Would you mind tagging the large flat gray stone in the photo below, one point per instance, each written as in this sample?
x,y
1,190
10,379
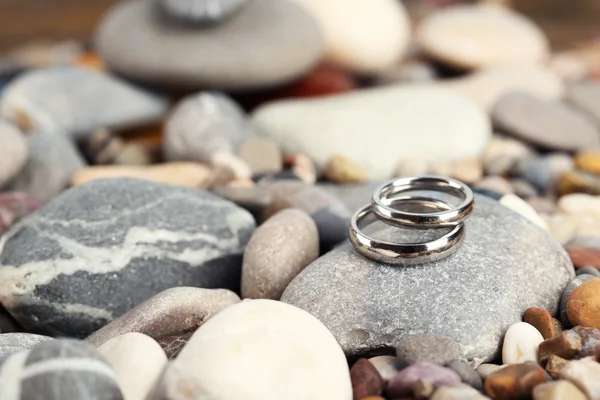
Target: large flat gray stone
x,y
505,265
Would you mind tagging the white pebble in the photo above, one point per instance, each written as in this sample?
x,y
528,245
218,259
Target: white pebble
x,y
521,343
520,206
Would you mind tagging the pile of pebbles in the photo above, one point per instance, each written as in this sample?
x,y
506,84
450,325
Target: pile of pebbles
x,y
175,199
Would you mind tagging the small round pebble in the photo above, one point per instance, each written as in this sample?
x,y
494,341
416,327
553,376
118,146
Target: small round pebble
x,y
387,366
468,171
584,256
432,348
457,391
262,155
523,188
577,181
587,270
277,252
588,161
366,380
514,381
402,384
484,370
496,183
542,320
342,169
583,304
467,373
566,294
521,342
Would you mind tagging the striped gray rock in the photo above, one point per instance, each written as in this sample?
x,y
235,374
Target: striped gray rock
x,y
18,341
104,247
77,101
58,370
202,11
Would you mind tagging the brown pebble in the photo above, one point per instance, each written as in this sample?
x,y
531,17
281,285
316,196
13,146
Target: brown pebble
x,y
514,381
302,166
422,389
588,161
542,320
366,380
566,345
341,169
583,305
578,182
555,365
584,256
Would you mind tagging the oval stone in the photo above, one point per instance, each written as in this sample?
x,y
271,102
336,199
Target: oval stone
x,y
104,247
497,268
583,304
13,152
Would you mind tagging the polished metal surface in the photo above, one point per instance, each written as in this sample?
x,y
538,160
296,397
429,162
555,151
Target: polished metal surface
x,y
384,196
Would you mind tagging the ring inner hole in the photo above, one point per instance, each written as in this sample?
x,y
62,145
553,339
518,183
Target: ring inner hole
x,y
394,197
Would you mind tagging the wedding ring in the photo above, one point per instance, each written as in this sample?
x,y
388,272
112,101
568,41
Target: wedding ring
x,y
401,253
384,196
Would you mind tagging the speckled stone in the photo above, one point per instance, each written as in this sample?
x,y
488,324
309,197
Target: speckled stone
x,y
202,12
202,125
52,160
467,374
19,341
169,317
437,349
478,278
136,42
278,250
402,384
568,289
76,101
543,123
106,246
60,369
13,152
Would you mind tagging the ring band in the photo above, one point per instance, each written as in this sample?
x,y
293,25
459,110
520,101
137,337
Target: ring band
x,y
402,253
384,195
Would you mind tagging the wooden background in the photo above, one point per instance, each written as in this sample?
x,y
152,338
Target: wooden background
x,y
566,21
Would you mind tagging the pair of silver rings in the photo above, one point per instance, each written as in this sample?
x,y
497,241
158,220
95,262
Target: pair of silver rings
x,y
386,204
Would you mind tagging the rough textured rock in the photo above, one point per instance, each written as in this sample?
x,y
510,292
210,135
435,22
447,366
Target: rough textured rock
x,y
278,250
60,369
138,362
287,345
52,160
475,36
170,317
203,125
132,40
18,341
455,128
76,101
104,247
13,152
498,267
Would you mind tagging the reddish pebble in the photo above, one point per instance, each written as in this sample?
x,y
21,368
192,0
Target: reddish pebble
x,y
542,320
322,81
514,381
366,380
584,256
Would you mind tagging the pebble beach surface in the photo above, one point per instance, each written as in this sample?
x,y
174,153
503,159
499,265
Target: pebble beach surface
x,y
175,200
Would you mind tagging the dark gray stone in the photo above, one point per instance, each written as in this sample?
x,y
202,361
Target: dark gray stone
x,y
544,122
467,374
202,125
587,271
52,161
136,40
538,172
572,285
18,341
106,246
506,264
76,101
202,12
437,349
58,370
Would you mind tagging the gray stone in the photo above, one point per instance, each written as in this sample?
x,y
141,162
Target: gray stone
x,y
523,188
19,341
544,122
278,250
203,125
13,151
587,271
485,370
437,349
53,159
370,306
136,41
585,241
57,370
586,97
467,374
103,247
568,289
354,196
538,173
202,11
77,101
170,317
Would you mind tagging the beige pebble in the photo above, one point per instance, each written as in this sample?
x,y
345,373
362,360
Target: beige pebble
x,y
559,390
341,169
520,206
262,155
579,203
495,183
468,171
188,174
303,167
412,167
585,374
238,166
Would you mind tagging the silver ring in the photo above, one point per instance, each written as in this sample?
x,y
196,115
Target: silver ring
x,y
384,196
402,253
